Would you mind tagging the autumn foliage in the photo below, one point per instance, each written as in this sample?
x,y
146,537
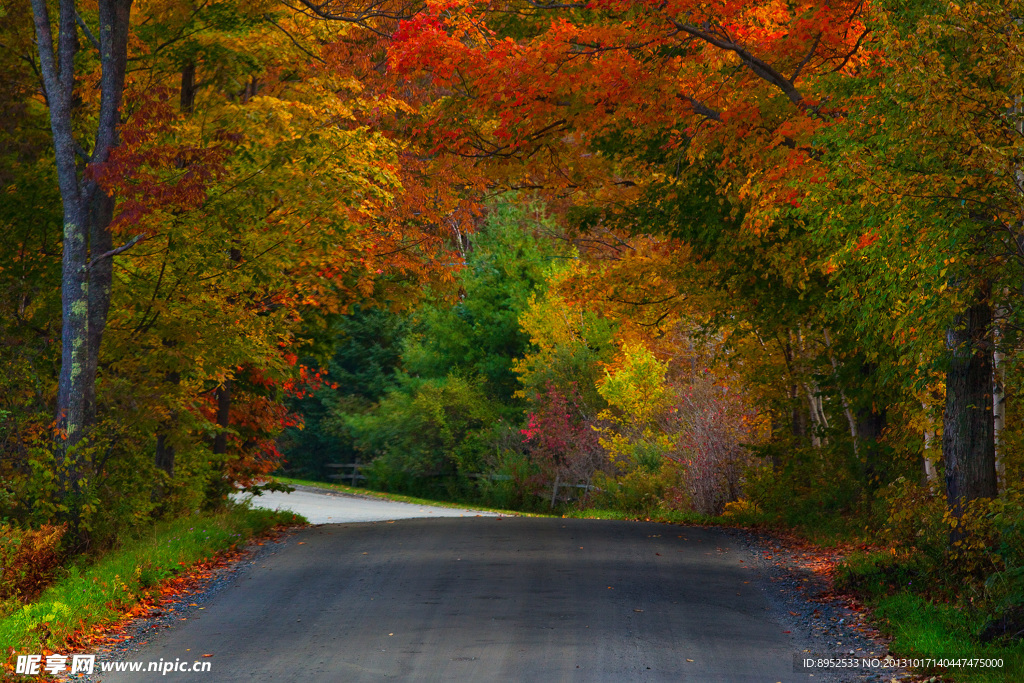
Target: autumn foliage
x,y
742,258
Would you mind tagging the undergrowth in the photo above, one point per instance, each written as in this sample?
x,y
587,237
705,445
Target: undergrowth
x,y
91,595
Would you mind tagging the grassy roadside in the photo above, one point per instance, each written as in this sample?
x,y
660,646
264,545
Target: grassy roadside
x,y
91,596
928,627
397,497
660,516
921,628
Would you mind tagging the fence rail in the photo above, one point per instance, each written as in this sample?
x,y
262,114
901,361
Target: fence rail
x,y
352,476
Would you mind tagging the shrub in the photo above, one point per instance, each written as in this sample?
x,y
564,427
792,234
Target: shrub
x,y
640,491
29,560
883,573
561,440
426,429
914,518
710,424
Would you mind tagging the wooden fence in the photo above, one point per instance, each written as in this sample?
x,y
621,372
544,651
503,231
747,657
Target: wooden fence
x,y
353,475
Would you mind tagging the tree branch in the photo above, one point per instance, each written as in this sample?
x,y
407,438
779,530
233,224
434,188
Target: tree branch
x,y
806,59
119,250
854,51
85,29
755,64
701,109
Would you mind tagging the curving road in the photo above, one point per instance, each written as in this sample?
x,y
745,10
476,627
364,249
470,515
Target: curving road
x,y
322,506
487,599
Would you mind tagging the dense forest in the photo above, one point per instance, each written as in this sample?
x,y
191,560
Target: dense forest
x,y
758,263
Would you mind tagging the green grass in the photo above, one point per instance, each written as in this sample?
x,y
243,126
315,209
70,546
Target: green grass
x,y
662,516
97,594
920,628
927,614
342,488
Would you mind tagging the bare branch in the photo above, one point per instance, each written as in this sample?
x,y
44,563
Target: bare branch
x,y
292,38
755,64
362,14
120,250
856,48
806,59
85,29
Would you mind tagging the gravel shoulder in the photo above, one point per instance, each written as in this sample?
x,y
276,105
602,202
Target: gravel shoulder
x,y
826,624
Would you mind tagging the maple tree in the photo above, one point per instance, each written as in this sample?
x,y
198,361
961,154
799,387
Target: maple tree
x,y
645,114
244,187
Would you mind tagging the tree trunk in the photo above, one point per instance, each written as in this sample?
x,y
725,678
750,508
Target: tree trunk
x,y
798,418
851,422
188,88
101,275
85,283
870,422
998,411
928,473
968,446
220,442
57,70
777,429
870,425
164,459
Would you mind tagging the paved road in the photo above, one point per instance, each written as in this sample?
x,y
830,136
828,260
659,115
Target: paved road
x,y
488,599
320,506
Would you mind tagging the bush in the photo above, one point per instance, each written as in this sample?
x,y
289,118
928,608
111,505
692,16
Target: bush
x,y
511,493
29,560
562,441
883,573
914,518
96,593
710,424
820,499
437,427
641,491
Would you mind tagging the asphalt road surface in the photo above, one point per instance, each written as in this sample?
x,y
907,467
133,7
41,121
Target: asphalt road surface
x,y
487,599
321,506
